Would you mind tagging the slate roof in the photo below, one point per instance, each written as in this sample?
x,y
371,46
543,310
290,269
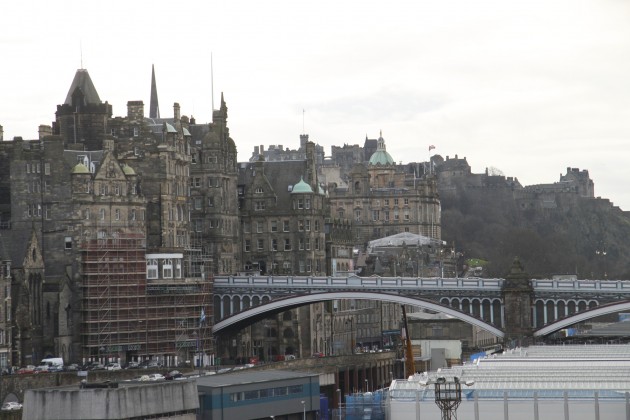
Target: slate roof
x,y
83,82
280,175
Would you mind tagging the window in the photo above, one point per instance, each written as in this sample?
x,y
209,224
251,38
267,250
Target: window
x,y
259,190
386,202
132,215
101,214
395,201
375,215
152,269
117,214
316,244
406,201
300,203
178,269
46,168
357,215
307,225
117,189
68,242
396,215
274,225
316,225
246,227
210,201
301,244
308,266
248,245
285,225
260,245
259,227
300,225
406,214
302,266
274,244
198,225
308,244
197,203
167,269
287,244
307,203
386,215
259,205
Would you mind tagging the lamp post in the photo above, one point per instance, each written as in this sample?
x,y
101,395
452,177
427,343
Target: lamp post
x,y
339,402
603,253
304,410
448,395
367,387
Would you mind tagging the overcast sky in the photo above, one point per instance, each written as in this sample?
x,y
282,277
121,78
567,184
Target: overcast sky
x,y
528,87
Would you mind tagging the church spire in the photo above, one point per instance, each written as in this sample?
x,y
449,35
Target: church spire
x,y
154,107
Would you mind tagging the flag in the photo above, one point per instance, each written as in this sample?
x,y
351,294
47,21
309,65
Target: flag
x,y
431,147
202,318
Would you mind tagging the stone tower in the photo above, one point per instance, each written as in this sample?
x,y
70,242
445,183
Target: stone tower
x,y
517,299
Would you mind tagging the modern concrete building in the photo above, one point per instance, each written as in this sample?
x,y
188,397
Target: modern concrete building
x,y
265,394
123,400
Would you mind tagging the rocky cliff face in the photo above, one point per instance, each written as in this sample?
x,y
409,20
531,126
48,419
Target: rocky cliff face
x,y
557,232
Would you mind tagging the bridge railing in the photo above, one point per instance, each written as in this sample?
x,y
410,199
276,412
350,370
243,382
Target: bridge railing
x,y
355,282
615,286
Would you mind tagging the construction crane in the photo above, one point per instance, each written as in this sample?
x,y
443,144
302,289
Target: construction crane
x,y
410,367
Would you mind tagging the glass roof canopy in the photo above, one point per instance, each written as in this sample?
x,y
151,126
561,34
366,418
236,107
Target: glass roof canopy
x,y
549,372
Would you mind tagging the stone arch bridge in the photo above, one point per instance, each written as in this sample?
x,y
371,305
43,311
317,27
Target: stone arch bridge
x,y
553,304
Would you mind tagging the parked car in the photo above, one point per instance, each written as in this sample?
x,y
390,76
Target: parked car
x,y
10,406
26,370
113,366
174,374
289,357
156,377
133,365
41,369
97,366
71,368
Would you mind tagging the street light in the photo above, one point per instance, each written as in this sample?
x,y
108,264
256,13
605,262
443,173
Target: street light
x,y
367,388
304,410
603,254
448,395
339,402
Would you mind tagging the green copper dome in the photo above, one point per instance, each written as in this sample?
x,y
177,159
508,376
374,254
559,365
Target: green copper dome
x,y
302,187
80,168
381,157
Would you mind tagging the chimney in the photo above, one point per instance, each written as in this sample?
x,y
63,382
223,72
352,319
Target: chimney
x,y
135,110
44,130
176,112
303,140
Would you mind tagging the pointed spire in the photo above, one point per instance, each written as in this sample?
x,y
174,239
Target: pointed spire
x,y
154,106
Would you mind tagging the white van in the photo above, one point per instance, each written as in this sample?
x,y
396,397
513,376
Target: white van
x,y
52,364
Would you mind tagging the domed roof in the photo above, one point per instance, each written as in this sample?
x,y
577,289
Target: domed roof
x,y
128,170
381,157
80,168
301,187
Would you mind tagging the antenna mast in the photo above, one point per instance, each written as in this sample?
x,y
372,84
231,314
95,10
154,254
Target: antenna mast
x,y
212,85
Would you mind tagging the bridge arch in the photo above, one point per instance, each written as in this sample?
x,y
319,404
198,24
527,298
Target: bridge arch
x,y
583,316
294,301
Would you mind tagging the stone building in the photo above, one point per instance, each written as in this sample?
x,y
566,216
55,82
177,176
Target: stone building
x,y
108,200
383,199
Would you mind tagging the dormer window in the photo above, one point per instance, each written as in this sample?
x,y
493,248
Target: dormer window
x,y
259,190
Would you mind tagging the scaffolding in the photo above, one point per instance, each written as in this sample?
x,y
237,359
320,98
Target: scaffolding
x,y
128,317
